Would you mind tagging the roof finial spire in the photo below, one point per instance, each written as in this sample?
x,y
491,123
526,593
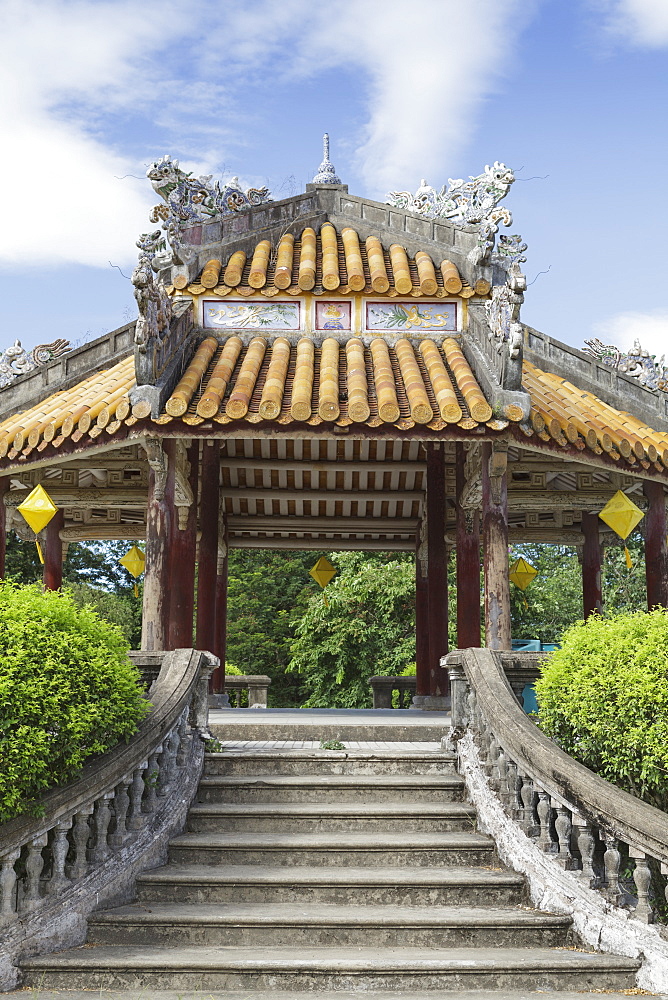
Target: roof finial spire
x,y
326,173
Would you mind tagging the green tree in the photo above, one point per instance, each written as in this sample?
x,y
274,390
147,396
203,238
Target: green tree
x,y
362,624
267,591
553,600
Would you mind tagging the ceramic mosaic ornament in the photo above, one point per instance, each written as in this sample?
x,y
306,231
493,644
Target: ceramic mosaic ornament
x,y
252,315
332,315
407,316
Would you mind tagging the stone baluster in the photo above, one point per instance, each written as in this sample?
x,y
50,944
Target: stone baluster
x,y
151,780
172,760
8,886
457,694
200,704
80,836
34,866
664,872
514,789
502,787
136,818
162,786
611,865
121,806
586,847
642,878
491,762
182,755
563,828
544,810
101,819
60,846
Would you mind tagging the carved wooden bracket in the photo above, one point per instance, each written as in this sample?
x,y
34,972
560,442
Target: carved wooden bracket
x,y
498,465
471,498
157,461
183,494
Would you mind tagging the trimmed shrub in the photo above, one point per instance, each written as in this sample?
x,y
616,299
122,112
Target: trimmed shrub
x,y
67,691
603,697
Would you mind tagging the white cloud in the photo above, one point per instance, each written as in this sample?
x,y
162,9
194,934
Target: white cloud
x,y
650,329
74,73
642,22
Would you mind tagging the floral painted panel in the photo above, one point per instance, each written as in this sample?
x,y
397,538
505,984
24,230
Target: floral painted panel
x,y
407,316
252,315
332,315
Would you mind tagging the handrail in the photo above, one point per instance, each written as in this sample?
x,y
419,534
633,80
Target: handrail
x,y
547,791
97,832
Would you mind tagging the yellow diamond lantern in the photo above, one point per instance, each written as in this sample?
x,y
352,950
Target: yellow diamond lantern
x,y
621,514
134,561
37,509
322,572
522,573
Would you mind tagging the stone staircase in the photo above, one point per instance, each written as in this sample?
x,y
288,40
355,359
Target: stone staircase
x,y
328,871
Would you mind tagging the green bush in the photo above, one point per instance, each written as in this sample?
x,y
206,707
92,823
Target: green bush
x,y
604,698
67,691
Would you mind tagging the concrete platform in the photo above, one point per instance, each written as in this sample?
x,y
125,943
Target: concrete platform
x,y
338,995
315,724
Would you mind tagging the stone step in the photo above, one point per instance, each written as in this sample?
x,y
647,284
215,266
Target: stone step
x,y
331,817
308,762
307,969
289,925
331,788
393,725
392,886
333,849
526,994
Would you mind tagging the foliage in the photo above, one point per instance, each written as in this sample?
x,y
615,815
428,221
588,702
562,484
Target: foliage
x,y
604,698
267,591
67,691
362,624
553,600
332,745
123,612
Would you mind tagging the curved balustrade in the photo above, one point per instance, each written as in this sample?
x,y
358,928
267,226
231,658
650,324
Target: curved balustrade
x,y
587,825
97,833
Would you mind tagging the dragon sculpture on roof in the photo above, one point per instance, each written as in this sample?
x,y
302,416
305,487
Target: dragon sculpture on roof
x,y
637,363
15,360
190,201
471,202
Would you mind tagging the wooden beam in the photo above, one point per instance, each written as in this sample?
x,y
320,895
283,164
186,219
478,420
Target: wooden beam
x,y
320,465
220,635
437,570
53,553
208,546
78,499
308,523
324,544
468,563
495,540
592,591
422,662
656,551
159,514
183,548
314,496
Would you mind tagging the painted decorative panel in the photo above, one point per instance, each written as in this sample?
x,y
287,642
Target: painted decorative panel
x,y
407,316
252,315
332,315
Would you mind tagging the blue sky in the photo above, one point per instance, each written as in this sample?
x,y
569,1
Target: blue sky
x,y
570,93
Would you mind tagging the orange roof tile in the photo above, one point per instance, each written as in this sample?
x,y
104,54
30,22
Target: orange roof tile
x,y
331,261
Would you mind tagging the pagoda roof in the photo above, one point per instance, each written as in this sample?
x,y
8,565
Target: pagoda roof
x,y
327,260
411,386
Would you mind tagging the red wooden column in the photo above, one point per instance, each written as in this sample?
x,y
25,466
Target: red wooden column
x,y
208,546
468,563
53,552
437,569
159,514
220,637
495,539
422,666
183,553
592,562
656,553
4,486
